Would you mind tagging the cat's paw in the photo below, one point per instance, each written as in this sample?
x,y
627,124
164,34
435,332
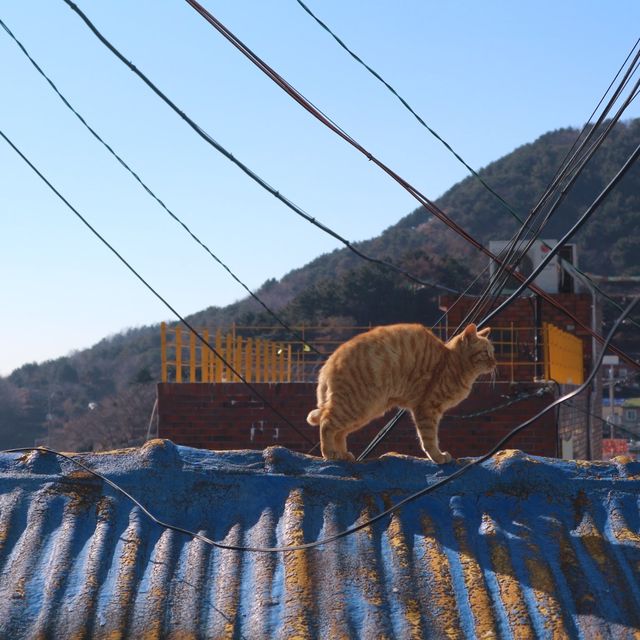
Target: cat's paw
x,y
440,458
339,455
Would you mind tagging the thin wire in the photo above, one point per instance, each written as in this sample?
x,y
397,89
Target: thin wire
x,y
254,176
154,292
383,514
376,75
151,193
500,278
482,181
404,102
617,427
579,223
306,104
572,172
519,398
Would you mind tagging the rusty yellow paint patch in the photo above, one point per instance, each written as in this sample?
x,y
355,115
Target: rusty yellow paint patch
x,y
502,457
440,586
402,555
544,591
543,586
298,599
508,584
479,599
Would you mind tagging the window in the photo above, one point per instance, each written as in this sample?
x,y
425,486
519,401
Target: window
x,y
631,415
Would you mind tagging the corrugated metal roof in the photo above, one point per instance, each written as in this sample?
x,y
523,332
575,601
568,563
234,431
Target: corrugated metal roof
x,y
522,547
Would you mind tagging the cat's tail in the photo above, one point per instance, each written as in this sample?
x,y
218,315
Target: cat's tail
x,y
314,417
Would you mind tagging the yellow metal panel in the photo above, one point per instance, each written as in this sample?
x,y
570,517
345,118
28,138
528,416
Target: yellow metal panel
x,y
564,361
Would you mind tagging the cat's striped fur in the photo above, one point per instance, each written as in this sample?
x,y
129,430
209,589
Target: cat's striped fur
x,y
401,365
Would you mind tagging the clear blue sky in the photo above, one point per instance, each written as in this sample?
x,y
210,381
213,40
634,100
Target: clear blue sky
x,y
488,76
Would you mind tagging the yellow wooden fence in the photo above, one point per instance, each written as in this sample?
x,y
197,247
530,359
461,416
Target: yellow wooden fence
x,y
523,353
185,358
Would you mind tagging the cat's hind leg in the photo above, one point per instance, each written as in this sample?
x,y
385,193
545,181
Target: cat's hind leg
x,y
333,439
426,420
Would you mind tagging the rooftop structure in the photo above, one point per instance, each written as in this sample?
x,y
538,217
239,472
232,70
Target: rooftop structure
x,y
520,547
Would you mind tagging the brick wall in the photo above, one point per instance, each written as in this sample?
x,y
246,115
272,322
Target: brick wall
x,y
575,425
227,416
521,313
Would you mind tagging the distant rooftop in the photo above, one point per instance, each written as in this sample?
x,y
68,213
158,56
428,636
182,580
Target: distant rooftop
x,y
520,547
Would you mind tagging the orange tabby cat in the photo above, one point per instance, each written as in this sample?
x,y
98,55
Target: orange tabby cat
x,y
401,365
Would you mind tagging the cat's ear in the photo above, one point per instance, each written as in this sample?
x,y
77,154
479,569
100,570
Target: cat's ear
x,y
484,332
469,331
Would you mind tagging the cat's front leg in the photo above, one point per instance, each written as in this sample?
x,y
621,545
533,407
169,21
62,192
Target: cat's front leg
x,y
427,420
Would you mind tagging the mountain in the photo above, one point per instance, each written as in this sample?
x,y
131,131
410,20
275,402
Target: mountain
x,y
77,400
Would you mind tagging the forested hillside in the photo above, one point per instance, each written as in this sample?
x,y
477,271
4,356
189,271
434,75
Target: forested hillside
x,y
103,396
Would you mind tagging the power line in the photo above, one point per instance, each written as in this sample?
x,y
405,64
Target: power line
x,y
150,192
411,110
367,523
476,175
153,291
579,223
571,167
254,176
376,75
421,198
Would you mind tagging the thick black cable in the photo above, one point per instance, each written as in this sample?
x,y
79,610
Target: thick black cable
x,y
382,434
579,223
500,278
404,102
206,343
386,429
430,206
582,220
152,194
383,514
570,167
243,167
376,75
499,281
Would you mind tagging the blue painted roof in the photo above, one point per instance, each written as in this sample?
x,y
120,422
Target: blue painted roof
x,y
521,547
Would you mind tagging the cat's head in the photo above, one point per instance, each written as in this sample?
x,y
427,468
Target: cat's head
x,y
476,349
